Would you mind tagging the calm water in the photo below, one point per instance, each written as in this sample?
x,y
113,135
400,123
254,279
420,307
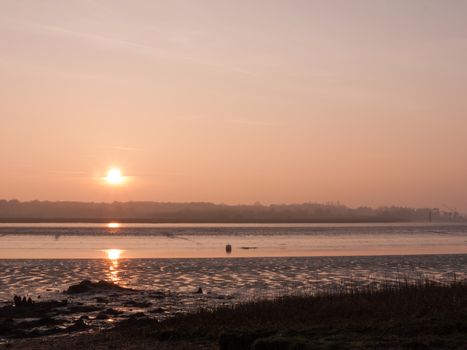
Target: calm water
x,y
68,241
44,259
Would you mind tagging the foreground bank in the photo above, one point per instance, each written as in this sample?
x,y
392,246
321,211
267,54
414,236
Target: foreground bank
x,y
397,316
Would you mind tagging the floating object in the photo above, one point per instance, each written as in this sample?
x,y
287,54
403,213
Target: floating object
x,y
228,249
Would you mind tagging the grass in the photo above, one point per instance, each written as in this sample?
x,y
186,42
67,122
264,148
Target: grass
x,y
435,307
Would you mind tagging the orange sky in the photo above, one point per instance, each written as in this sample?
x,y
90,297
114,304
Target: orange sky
x,y
235,101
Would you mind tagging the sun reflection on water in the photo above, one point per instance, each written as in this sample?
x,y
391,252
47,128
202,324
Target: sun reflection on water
x,y
113,225
113,255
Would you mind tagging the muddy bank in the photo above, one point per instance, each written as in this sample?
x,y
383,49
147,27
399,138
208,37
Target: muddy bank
x,y
95,306
426,315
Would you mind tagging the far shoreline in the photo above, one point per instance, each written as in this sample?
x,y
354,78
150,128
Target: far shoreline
x,y
107,220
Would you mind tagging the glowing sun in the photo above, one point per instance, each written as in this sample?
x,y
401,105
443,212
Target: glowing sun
x,y
114,176
113,254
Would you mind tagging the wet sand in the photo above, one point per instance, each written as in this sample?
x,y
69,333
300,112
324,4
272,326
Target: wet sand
x,y
240,278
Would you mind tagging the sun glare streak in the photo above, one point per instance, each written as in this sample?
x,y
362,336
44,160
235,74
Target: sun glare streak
x,y
113,225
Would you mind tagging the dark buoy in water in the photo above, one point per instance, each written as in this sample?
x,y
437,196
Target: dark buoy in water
x,y
228,249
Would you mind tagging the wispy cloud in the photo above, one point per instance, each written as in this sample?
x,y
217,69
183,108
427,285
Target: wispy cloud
x,y
169,46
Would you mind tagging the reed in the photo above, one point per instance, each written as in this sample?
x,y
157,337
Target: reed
x,y
403,311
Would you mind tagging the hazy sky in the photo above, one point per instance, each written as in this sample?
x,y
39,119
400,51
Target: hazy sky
x,y
235,101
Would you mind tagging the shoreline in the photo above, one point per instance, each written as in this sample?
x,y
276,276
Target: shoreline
x,y
124,220
247,257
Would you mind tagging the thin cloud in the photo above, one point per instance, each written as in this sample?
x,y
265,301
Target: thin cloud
x,y
127,45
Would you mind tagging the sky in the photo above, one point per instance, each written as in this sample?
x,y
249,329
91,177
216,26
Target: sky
x,y
362,102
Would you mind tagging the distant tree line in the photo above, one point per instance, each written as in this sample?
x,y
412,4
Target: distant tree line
x,y
37,211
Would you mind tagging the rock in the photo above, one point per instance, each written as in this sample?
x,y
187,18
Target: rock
x,y
19,301
102,300
87,286
159,310
79,325
54,330
82,287
38,309
45,321
7,326
113,312
74,309
199,291
102,316
134,303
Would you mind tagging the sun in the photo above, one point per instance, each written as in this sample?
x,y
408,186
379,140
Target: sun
x,y
114,176
113,254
